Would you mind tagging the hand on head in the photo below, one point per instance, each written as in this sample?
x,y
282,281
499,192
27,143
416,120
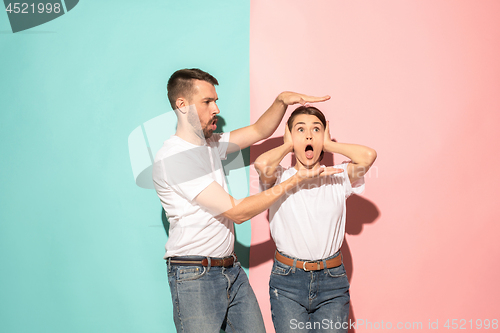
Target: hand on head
x,y
327,137
287,138
290,98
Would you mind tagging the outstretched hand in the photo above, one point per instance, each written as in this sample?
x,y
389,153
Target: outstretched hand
x,y
331,171
304,174
290,98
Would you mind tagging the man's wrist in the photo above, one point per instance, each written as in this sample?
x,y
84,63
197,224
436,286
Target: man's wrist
x,y
280,100
296,179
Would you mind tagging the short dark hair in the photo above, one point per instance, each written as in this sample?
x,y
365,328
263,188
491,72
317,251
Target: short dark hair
x,y
180,83
311,110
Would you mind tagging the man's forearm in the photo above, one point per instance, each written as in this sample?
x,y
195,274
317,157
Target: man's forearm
x,y
248,207
269,121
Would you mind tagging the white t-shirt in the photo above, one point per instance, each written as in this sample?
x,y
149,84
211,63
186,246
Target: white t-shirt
x,y
309,221
181,171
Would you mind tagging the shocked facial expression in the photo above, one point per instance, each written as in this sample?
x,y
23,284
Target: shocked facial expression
x,y
308,135
205,98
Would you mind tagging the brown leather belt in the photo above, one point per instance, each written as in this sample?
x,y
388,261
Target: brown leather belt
x,y
310,265
222,262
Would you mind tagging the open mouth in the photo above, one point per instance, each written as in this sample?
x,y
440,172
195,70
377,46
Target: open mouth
x,y
214,123
309,152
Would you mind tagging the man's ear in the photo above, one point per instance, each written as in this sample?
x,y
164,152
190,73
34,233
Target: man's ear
x,y
181,104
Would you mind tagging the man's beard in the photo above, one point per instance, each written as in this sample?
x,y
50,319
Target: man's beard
x,y
194,120
208,131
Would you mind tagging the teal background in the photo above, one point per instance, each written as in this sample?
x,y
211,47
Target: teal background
x,y
81,244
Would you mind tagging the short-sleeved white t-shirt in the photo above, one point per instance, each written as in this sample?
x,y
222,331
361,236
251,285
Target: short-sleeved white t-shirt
x,y
181,172
309,221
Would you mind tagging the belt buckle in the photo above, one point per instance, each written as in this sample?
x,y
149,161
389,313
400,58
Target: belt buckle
x,y
312,262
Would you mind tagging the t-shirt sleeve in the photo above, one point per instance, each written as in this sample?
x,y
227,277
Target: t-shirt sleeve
x,y
279,172
221,142
188,172
357,188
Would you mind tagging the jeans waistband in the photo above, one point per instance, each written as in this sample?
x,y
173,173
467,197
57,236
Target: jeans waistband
x,y
202,261
310,265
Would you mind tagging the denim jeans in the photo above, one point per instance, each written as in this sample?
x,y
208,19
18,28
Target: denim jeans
x,y
207,299
309,301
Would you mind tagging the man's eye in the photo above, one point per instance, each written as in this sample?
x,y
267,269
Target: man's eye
x,y
316,129
300,130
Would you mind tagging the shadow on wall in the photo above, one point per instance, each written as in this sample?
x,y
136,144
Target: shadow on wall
x,y
359,212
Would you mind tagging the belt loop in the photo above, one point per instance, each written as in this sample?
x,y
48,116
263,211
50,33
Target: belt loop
x,y
294,264
168,265
235,259
324,263
209,264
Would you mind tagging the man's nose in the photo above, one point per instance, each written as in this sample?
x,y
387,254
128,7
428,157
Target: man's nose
x,y
216,109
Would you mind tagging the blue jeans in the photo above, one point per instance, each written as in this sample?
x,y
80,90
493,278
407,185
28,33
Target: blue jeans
x,y
208,299
309,301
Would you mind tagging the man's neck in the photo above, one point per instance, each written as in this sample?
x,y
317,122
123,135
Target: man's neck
x,y
191,137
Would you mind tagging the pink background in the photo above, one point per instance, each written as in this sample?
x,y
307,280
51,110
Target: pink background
x,y
419,81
